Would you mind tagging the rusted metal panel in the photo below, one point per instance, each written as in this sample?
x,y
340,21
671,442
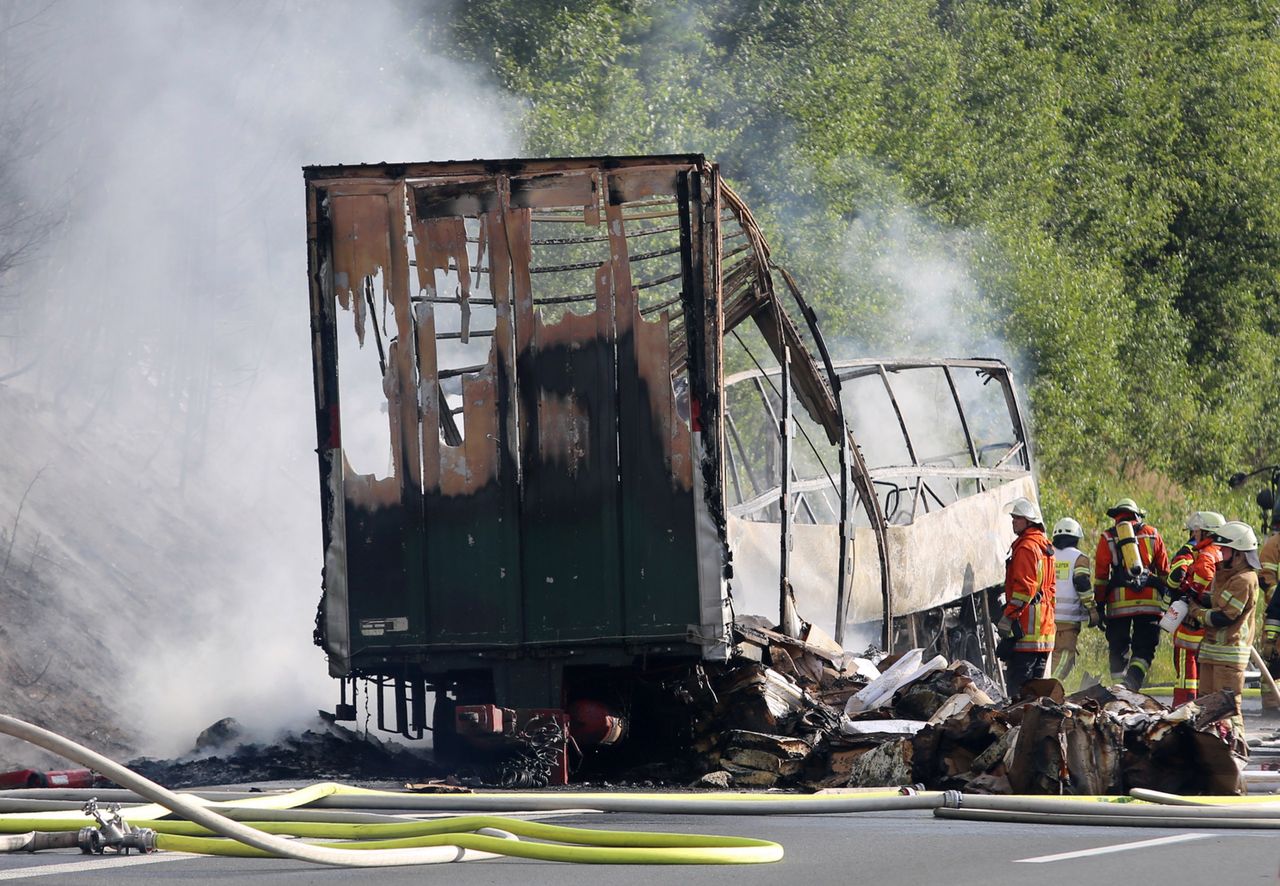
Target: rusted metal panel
x,y
570,539
382,516
505,517
470,499
657,511
635,185
557,190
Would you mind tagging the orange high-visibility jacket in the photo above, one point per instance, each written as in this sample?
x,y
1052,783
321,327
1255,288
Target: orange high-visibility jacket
x,y
1029,590
1195,584
1112,585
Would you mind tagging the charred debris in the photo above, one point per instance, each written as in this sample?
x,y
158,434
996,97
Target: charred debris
x,y
805,716
811,717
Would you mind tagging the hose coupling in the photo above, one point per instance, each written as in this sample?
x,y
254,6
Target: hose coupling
x,y
113,832
952,799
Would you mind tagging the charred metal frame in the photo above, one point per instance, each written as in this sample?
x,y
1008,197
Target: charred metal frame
x,y
587,446
592,436
997,371
1015,462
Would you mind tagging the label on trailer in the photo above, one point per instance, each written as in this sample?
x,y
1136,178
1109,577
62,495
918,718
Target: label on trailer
x,y
376,627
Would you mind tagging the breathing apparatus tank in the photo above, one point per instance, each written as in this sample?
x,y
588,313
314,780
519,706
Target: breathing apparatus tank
x,y
1127,545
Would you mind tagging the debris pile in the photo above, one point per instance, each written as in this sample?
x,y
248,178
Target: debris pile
x,y
327,752
817,718
806,715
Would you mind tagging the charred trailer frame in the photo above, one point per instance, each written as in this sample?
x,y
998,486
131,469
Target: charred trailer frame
x,y
525,480
944,445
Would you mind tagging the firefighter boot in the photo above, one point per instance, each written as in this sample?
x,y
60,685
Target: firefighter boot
x,y
1136,675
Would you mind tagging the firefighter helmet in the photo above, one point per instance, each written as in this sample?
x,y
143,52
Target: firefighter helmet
x,y
1237,536
1125,505
1025,508
1067,526
1207,521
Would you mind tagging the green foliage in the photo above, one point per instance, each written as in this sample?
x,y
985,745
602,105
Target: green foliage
x,y
1102,177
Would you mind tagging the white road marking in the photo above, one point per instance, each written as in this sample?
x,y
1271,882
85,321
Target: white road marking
x,y
95,864
1119,847
530,814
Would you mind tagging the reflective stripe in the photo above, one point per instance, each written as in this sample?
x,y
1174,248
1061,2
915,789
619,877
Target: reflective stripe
x,y
1212,652
1232,606
1186,672
1122,605
1187,637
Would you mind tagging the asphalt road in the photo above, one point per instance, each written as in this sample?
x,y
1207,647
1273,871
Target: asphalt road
x,y
882,848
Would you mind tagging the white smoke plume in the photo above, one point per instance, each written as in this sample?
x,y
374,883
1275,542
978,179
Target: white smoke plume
x,y
168,408
922,271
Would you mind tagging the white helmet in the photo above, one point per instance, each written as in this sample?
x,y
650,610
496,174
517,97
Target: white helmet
x,y
1026,508
1237,536
1206,521
1067,526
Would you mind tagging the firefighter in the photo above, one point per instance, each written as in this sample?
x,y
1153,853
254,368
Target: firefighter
x,y
1191,572
1073,604
1026,627
1227,614
1128,568
1269,576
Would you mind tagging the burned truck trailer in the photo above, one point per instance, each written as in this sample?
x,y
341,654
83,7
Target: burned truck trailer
x,y
575,428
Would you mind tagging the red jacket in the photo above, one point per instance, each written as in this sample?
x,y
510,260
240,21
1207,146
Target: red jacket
x,y
1112,587
1195,584
1029,590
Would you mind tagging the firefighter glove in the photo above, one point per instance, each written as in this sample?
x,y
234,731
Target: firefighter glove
x,y
1195,615
1095,617
1005,627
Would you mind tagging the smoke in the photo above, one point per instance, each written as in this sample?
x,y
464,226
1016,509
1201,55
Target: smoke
x,y
922,273
166,323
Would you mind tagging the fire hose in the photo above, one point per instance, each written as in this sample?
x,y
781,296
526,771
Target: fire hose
x,y
471,838
1121,812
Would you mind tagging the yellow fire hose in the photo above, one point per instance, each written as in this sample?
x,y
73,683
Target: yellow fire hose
x,y
578,845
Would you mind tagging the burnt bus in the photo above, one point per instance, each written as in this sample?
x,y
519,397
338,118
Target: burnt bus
x,y
574,427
